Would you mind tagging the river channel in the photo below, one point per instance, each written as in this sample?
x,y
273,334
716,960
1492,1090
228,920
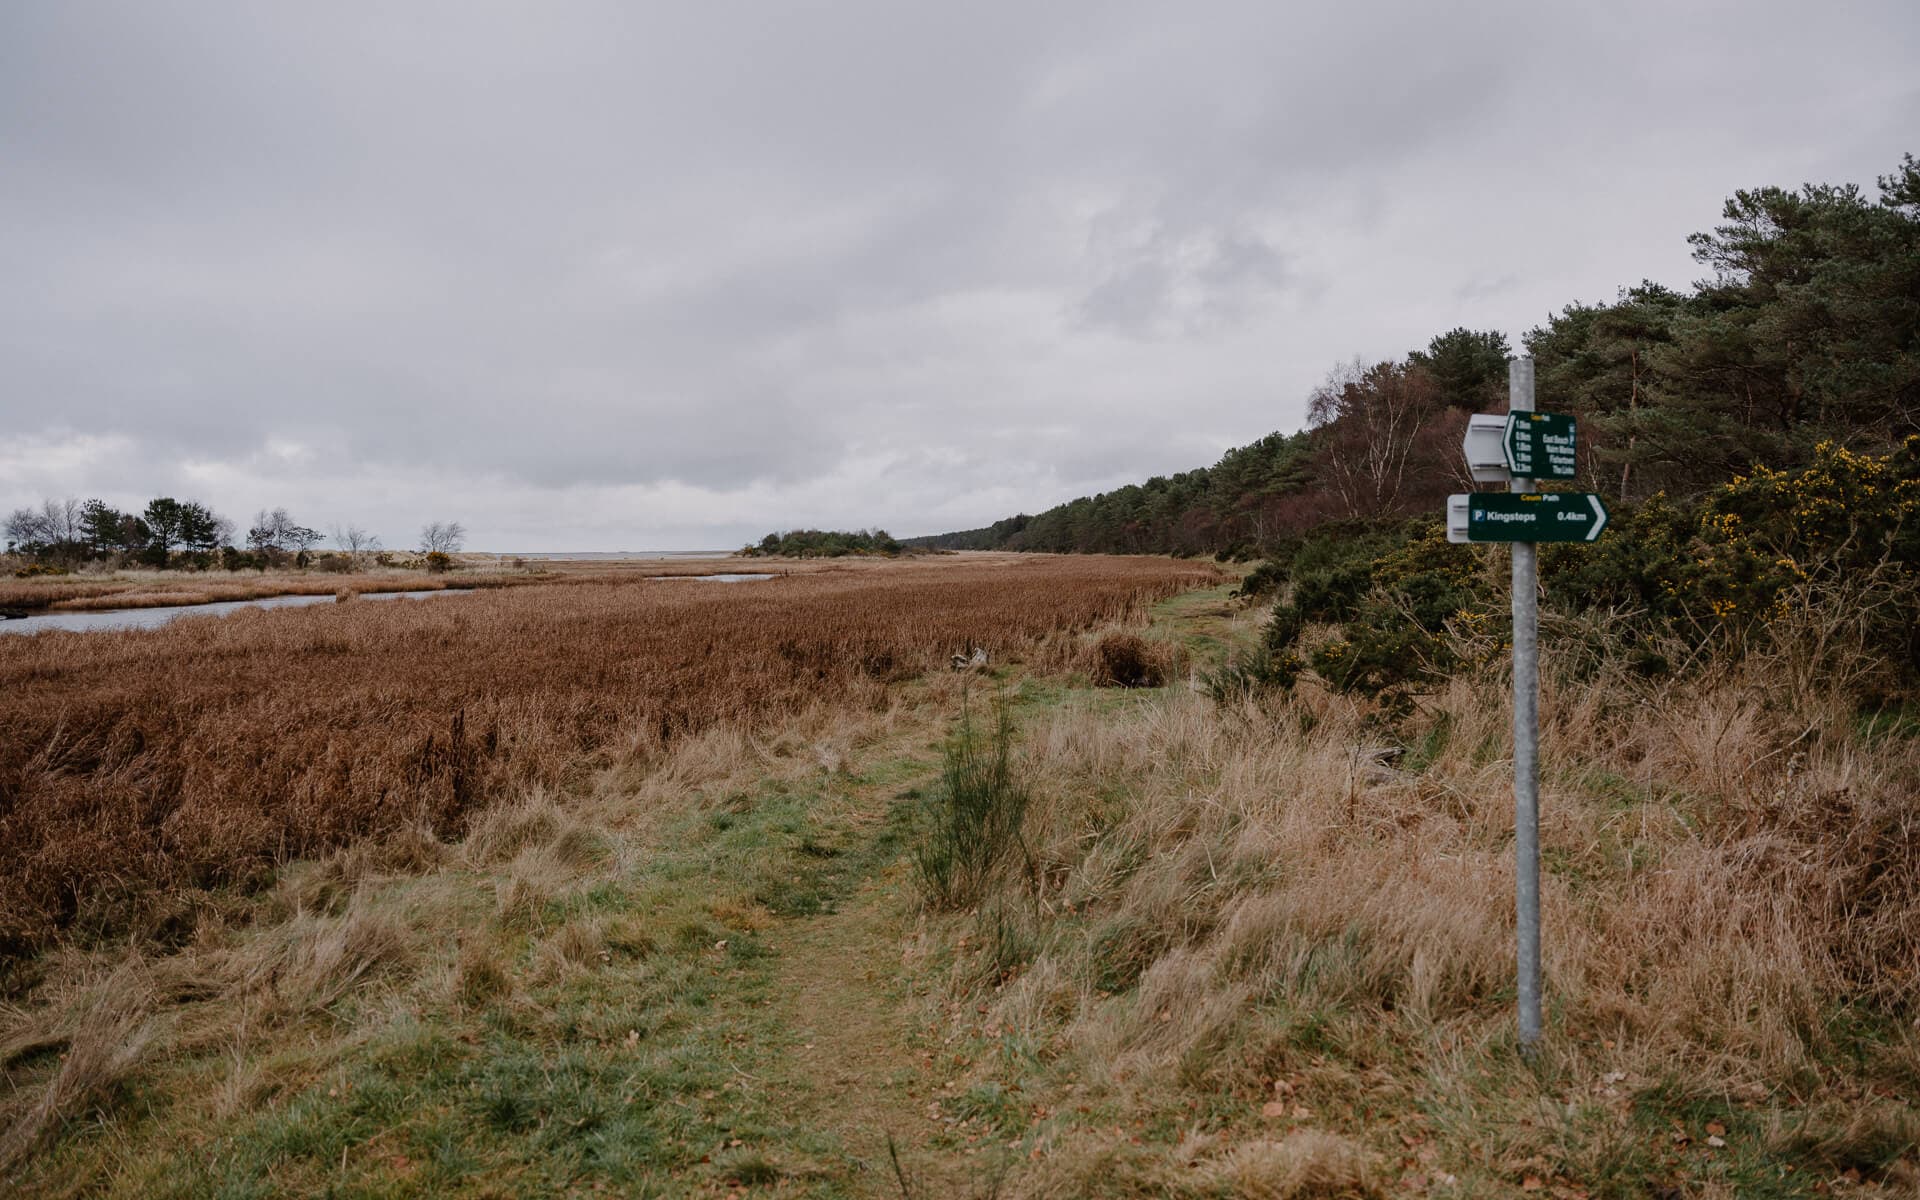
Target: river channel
x,y
103,620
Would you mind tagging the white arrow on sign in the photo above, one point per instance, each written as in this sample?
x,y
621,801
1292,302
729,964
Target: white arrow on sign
x,y
1599,517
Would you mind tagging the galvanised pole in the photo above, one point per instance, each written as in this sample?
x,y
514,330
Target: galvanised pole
x,y
1526,741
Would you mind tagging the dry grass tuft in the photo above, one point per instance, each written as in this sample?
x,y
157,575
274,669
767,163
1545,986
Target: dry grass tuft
x,y
1308,1164
106,1038
480,975
316,959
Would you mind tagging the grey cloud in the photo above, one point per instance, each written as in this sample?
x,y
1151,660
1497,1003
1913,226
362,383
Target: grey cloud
x,y
853,261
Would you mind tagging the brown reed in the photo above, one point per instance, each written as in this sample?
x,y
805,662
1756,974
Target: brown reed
x,y
201,754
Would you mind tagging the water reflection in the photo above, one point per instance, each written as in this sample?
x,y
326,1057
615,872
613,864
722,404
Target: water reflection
x,y
152,618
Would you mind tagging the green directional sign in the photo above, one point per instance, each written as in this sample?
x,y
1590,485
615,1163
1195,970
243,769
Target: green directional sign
x,y
1534,516
1541,445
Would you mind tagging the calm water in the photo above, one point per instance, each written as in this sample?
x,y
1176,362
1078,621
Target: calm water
x,y
720,578
153,618
613,555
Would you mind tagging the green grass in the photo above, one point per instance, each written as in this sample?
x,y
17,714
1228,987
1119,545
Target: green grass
x,y
633,1073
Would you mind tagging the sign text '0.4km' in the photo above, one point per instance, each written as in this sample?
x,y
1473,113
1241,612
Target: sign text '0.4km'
x,y
1525,517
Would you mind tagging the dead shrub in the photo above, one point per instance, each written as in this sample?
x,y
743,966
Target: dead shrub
x,y
1128,660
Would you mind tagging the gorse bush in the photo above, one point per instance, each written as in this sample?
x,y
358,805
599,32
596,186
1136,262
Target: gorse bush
x,y
975,818
1819,565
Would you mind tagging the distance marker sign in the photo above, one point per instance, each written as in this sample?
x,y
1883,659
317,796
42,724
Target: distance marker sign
x,y
1525,517
1541,445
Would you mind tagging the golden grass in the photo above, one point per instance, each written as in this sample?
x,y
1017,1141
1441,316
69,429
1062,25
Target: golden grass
x,y
202,753
1234,900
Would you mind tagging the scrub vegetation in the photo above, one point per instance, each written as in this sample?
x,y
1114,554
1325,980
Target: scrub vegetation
x,y
824,543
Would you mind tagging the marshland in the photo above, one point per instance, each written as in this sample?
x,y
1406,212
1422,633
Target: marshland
x,y
1154,816
615,884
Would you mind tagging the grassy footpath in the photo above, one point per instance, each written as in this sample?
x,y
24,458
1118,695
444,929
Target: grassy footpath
x,y
1235,954
572,1001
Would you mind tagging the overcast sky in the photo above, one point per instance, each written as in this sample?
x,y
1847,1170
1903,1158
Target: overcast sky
x,y
657,276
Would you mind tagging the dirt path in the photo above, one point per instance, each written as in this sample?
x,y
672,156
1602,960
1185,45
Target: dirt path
x,y
840,982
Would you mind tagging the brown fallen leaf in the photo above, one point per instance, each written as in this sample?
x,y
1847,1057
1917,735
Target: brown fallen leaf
x,y
1273,1108
1716,1128
1532,1183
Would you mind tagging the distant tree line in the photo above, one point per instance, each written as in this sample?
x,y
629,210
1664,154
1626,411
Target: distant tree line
x,y
1806,333
186,533
822,543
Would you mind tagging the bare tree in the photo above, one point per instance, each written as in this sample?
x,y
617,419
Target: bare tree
x,y
1373,419
276,532
63,519
355,541
54,526
442,537
26,529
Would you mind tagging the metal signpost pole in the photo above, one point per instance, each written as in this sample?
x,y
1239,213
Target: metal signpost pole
x,y
1526,741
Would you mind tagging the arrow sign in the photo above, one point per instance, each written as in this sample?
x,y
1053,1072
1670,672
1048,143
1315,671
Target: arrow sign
x,y
1541,445
1525,517
1485,446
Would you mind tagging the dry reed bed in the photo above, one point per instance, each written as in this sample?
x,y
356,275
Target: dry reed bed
x,y
202,753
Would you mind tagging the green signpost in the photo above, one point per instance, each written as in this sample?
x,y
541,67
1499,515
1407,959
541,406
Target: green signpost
x,y
1534,517
1535,445
1541,445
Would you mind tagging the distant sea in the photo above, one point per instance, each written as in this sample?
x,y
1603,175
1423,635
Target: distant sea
x,y
610,555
